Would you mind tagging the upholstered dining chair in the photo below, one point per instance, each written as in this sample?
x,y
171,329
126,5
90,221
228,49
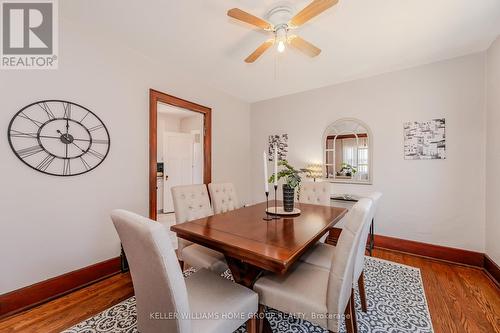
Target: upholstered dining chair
x,y
166,302
191,202
321,295
316,193
321,254
224,197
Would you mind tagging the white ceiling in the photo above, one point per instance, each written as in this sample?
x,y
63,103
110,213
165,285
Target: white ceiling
x,y
359,38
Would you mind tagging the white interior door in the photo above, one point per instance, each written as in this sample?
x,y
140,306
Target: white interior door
x,y
177,164
197,157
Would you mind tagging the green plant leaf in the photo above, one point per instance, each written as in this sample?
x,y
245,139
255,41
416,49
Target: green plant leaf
x,y
291,175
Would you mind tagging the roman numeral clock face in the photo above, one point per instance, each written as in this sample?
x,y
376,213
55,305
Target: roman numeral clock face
x,y
59,138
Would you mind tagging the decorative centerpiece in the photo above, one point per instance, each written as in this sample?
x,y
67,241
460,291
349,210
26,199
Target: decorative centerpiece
x,y
292,181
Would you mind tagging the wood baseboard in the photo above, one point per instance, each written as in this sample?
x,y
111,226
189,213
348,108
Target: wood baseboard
x,y
41,292
450,254
492,270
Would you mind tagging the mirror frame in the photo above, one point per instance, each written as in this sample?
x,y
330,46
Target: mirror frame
x,y
370,153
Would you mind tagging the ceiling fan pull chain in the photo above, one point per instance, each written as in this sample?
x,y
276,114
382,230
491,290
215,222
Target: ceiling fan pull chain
x,y
275,67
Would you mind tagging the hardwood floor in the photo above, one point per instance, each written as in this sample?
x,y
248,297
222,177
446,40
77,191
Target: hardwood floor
x,y
460,298
68,310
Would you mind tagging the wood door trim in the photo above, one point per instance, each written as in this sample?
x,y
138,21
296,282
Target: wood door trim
x,y
155,97
44,291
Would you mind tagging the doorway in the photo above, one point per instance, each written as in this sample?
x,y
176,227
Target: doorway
x,y
179,149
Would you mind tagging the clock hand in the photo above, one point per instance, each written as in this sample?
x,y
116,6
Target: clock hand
x,y
66,136
49,137
77,146
58,137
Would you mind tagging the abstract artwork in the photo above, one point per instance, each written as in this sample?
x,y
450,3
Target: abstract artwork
x,y
282,142
425,140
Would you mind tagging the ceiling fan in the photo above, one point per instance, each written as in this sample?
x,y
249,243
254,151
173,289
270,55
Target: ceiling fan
x,y
281,24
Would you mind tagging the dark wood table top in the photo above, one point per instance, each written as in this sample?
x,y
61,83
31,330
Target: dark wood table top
x,y
271,245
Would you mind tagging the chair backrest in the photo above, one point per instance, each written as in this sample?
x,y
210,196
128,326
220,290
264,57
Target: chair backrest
x,y
156,275
191,202
375,197
224,197
360,253
316,193
342,269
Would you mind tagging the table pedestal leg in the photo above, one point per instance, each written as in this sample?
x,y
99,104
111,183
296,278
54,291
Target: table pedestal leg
x,y
246,275
243,273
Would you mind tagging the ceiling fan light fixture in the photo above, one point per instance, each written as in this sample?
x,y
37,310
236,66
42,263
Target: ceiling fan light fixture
x,y
281,38
281,46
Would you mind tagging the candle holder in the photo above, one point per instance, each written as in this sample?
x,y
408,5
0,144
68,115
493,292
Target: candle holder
x,y
267,217
275,216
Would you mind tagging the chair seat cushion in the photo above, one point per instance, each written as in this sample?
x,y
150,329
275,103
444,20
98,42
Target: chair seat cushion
x,y
210,294
199,256
302,291
320,254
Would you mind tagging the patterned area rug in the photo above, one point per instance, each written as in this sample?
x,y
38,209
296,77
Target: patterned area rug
x,y
396,304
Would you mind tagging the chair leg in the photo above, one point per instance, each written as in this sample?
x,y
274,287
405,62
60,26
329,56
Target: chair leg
x,y
252,325
362,292
350,315
353,311
262,322
348,319
372,237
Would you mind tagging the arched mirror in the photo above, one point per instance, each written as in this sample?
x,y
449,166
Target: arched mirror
x,y
347,147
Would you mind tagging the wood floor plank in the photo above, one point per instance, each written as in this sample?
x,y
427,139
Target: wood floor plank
x,y
461,299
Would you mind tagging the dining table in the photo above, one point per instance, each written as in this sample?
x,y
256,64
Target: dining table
x,y
253,245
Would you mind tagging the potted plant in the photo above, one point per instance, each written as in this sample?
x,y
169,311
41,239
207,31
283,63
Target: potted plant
x,y
347,170
292,181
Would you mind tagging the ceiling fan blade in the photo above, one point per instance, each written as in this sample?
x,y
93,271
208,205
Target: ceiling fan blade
x,y
259,51
313,9
249,18
304,46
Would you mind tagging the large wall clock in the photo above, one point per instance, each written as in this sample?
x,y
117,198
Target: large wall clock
x,y
59,138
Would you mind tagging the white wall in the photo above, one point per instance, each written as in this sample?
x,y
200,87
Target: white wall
x,y
192,123
51,225
493,153
438,201
169,123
